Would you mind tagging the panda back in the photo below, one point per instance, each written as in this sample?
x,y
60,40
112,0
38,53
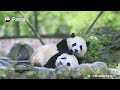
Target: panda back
x,y
43,54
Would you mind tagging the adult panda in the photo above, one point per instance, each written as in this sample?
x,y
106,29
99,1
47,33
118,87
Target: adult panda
x,y
62,58
75,43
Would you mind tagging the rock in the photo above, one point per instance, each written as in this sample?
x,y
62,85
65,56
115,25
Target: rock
x,y
4,58
93,37
109,55
63,72
4,63
52,74
105,34
101,70
96,70
75,73
22,76
11,74
2,74
38,73
30,75
115,73
89,71
82,71
22,68
43,73
109,38
21,51
2,66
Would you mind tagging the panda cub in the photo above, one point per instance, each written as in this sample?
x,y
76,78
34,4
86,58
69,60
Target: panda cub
x,y
75,43
62,58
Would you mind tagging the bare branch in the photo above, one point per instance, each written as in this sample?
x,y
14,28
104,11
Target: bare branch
x,y
101,12
33,29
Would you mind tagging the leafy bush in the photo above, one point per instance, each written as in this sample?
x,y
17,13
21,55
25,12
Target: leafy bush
x,y
106,48
2,53
92,55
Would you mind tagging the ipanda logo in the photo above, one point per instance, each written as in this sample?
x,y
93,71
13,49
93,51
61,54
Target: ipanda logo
x,y
18,19
7,19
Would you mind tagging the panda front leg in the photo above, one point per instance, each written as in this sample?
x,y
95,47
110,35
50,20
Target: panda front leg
x,y
80,60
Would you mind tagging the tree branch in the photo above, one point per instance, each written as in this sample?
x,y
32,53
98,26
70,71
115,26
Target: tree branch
x,y
33,29
101,12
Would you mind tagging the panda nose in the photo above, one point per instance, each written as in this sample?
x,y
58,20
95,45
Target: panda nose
x,y
68,64
76,50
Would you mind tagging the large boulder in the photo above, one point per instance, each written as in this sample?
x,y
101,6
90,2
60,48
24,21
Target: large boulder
x,y
106,35
63,72
40,73
109,39
87,70
115,73
22,68
21,51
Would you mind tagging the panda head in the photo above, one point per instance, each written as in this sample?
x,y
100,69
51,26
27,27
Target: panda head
x,y
75,43
67,59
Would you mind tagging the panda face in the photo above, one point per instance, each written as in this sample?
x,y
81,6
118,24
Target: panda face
x,y
66,59
77,45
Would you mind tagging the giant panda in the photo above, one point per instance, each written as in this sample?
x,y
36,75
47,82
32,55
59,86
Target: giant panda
x,y
75,43
62,58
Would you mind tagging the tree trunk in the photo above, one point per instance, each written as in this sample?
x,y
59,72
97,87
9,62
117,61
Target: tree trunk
x,y
16,29
5,30
36,20
32,28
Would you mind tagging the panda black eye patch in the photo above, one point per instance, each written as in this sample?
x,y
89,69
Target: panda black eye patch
x,y
60,63
81,47
63,58
74,44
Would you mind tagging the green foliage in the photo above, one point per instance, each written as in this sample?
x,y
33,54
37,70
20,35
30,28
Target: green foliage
x,y
111,64
2,71
104,49
87,76
95,46
60,21
2,53
118,66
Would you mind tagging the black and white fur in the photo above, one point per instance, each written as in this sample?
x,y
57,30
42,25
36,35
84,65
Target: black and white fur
x,y
62,58
75,43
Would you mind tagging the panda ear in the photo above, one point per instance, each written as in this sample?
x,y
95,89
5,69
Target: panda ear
x,y
88,43
62,45
70,52
72,35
